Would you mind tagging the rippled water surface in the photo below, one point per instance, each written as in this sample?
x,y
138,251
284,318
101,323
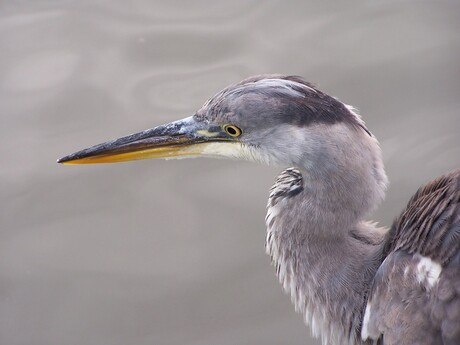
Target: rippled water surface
x,y
158,252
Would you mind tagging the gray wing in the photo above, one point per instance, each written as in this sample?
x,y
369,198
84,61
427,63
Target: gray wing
x,y
415,297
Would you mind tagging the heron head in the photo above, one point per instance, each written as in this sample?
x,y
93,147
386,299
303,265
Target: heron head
x,y
274,119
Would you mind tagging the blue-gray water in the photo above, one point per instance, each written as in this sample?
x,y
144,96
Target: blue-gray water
x,y
172,252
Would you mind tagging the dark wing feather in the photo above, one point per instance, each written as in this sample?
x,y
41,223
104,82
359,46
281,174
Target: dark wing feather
x,y
430,224
415,298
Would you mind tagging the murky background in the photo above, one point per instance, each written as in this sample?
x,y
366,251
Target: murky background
x,y
172,252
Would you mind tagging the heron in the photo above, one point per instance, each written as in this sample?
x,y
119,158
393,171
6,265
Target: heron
x,y
353,281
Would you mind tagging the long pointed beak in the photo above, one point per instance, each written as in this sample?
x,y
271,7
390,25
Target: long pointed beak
x,y
180,138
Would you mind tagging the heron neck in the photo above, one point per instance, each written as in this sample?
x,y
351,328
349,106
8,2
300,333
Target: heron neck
x,y
335,275
324,253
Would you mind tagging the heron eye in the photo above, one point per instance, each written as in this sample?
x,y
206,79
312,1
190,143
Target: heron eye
x,y
232,130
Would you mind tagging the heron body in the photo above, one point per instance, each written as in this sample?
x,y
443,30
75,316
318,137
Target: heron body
x,y
353,281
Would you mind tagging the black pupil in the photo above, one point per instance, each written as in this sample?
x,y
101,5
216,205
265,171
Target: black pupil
x,y
231,130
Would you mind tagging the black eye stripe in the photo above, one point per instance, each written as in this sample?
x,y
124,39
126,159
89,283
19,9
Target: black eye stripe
x,y
215,128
